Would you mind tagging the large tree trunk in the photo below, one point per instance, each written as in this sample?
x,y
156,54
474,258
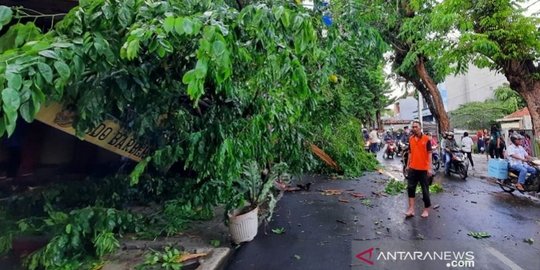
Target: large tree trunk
x,y
444,122
427,97
378,119
531,96
521,77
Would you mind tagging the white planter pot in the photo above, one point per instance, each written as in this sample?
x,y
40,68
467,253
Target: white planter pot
x,y
243,228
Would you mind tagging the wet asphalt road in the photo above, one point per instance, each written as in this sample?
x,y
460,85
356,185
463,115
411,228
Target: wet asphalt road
x,y
322,232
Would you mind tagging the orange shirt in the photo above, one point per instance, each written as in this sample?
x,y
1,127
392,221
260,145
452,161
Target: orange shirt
x,y
420,149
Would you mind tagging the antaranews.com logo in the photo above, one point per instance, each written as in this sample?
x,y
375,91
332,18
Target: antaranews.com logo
x,y
419,254
452,259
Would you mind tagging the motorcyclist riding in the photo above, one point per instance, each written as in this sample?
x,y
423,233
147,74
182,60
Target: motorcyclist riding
x,y
405,135
518,158
388,137
449,145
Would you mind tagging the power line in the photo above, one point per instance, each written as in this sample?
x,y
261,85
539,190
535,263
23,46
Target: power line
x,y
537,1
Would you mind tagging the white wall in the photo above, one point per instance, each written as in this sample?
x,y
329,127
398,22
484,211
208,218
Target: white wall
x,y
476,85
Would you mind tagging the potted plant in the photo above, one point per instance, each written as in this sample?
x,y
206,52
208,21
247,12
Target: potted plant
x,y
253,189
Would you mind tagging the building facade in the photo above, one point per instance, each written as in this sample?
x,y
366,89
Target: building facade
x,y
475,85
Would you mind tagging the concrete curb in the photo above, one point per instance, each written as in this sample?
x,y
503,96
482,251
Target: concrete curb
x,y
217,260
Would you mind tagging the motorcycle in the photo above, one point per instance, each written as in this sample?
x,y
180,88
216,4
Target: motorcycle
x,y
400,148
390,149
405,158
435,159
459,164
532,181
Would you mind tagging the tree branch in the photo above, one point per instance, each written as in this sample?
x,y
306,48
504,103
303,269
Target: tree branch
x,y
239,3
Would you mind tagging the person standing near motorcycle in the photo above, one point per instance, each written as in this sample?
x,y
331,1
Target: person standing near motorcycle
x,y
466,147
450,145
518,158
406,134
419,168
374,141
443,148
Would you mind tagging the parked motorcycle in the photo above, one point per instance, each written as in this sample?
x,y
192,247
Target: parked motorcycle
x,y
532,182
405,158
459,164
435,159
390,151
400,148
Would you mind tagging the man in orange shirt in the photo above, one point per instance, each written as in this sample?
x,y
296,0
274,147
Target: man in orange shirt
x,y
419,167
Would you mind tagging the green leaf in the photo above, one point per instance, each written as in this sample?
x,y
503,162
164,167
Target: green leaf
x,y
195,89
139,169
168,24
201,69
63,69
132,49
14,81
5,15
187,25
179,26
27,112
49,54
45,71
11,100
278,11
278,230
286,18
10,122
188,76
218,48
124,16
479,235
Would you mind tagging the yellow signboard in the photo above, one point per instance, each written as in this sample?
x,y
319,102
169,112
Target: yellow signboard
x,y
108,135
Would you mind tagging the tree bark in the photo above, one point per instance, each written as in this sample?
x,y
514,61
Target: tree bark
x,y
444,122
427,97
378,119
520,75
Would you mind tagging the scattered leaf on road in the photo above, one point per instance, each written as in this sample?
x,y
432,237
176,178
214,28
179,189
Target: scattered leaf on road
x,y
366,202
341,221
479,235
280,230
529,241
297,257
343,200
357,195
395,187
215,243
330,192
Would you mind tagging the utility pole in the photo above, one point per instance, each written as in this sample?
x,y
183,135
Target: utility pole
x,y
420,109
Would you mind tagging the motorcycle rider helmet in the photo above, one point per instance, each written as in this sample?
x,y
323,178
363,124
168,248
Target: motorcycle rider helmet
x,y
515,137
450,134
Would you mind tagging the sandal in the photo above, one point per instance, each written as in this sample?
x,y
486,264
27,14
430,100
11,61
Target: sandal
x,y
519,187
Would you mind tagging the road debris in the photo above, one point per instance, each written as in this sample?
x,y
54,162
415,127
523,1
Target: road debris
x,y
331,192
479,235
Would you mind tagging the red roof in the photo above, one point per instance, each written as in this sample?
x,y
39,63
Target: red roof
x,y
520,113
